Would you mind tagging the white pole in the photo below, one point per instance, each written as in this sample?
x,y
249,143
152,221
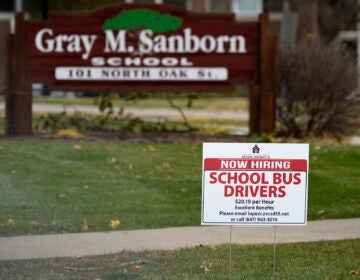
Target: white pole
x,y
19,7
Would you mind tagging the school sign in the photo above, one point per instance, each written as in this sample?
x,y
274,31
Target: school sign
x,y
151,47
142,47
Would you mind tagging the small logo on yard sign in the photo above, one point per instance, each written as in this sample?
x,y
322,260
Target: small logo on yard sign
x,y
256,149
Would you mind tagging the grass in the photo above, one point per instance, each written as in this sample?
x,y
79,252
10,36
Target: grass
x,y
299,261
55,186
74,186
334,180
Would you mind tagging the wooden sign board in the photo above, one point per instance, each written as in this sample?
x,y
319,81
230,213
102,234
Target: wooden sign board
x,y
142,47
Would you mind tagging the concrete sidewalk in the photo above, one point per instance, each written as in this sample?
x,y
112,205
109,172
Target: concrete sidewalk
x,y
147,113
82,244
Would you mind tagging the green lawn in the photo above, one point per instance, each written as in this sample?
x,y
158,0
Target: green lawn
x,y
59,186
336,260
55,186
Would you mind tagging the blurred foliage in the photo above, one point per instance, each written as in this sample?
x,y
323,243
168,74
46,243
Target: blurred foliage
x,y
319,91
110,119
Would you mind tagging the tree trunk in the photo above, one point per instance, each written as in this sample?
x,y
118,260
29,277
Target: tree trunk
x,y
307,10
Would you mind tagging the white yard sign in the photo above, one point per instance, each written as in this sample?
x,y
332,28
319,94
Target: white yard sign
x,y
254,184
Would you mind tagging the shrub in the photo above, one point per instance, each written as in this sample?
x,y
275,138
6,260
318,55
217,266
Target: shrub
x,y
318,90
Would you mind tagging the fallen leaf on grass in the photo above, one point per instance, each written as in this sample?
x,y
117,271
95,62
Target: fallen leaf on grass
x,y
34,223
111,160
10,222
136,268
70,133
149,148
77,147
85,226
23,205
206,267
114,224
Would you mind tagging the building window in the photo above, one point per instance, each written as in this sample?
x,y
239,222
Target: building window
x,y
247,6
223,6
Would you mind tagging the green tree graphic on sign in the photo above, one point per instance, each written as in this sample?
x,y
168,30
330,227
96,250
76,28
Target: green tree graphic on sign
x,y
143,18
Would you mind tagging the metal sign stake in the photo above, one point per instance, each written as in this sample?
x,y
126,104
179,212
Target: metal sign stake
x,y
230,255
274,260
